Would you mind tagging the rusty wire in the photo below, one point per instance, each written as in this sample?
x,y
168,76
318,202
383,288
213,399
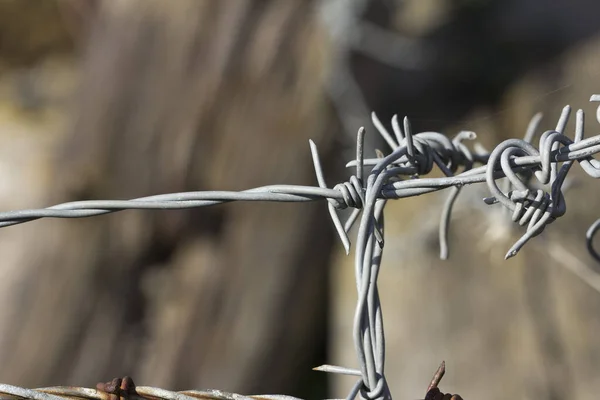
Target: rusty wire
x,y
397,175
106,392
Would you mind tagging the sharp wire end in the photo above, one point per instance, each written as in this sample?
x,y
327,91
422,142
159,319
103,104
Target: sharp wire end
x,y
317,164
579,122
409,139
360,152
337,223
511,253
437,377
563,119
397,130
375,119
490,200
334,369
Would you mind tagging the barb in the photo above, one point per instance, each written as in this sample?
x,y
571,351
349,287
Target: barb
x,y
433,392
437,377
534,196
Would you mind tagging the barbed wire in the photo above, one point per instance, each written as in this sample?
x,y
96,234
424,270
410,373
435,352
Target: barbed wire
x,y
528,170
123,389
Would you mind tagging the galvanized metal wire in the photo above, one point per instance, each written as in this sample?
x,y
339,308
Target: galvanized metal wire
x,y
396,175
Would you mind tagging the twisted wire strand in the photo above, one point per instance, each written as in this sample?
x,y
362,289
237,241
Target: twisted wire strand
x,y
8,392
393,176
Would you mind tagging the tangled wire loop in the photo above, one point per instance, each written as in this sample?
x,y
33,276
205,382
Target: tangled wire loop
x,y
536,208
414,155
394,176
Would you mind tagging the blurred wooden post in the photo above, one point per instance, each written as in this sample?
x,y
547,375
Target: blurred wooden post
x,y
175,96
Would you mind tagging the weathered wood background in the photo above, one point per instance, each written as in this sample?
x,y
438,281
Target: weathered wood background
x,y
120,99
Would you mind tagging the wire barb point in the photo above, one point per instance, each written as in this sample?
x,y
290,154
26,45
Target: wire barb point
x,y
437,377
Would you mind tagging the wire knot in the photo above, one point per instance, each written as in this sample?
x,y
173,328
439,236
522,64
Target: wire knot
x,y
378,392
352,191
534,208
539,209
352,194
421,156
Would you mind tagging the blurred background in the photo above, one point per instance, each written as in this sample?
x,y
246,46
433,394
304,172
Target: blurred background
x,y
116,99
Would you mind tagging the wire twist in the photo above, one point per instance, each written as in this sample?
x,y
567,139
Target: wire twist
x,y
108,392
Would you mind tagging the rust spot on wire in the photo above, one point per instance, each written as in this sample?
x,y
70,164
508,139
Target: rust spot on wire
x,y
118,388
433,392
